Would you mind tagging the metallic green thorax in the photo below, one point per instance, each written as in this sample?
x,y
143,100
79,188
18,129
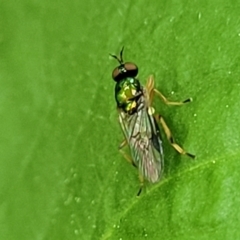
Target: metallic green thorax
x,y
127,92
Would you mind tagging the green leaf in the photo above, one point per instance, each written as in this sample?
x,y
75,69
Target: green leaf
x,y
61,175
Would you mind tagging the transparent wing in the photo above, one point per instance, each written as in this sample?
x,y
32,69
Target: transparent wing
x,y
143,136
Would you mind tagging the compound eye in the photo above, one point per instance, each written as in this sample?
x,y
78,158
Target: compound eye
x,y
119,73
131,69
124,71
116,73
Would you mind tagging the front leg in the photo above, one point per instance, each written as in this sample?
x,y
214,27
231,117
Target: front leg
x,y
151,91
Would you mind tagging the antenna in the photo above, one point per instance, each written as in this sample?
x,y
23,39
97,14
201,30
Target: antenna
x,y
120,60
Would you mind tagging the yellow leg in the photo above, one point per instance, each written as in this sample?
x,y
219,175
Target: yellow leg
x,y
125,155
170,137
129,159
151,91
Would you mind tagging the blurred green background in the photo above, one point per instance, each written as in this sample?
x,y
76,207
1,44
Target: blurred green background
x,y
61,175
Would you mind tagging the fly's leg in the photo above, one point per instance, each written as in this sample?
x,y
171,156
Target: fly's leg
x,y
151,91
169,102
125,155
141,179
129,159
170,137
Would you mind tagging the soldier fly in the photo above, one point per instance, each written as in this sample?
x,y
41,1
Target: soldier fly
x,y
139,122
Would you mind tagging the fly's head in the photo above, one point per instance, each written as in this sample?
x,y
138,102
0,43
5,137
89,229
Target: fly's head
x,y
124,70
128,88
